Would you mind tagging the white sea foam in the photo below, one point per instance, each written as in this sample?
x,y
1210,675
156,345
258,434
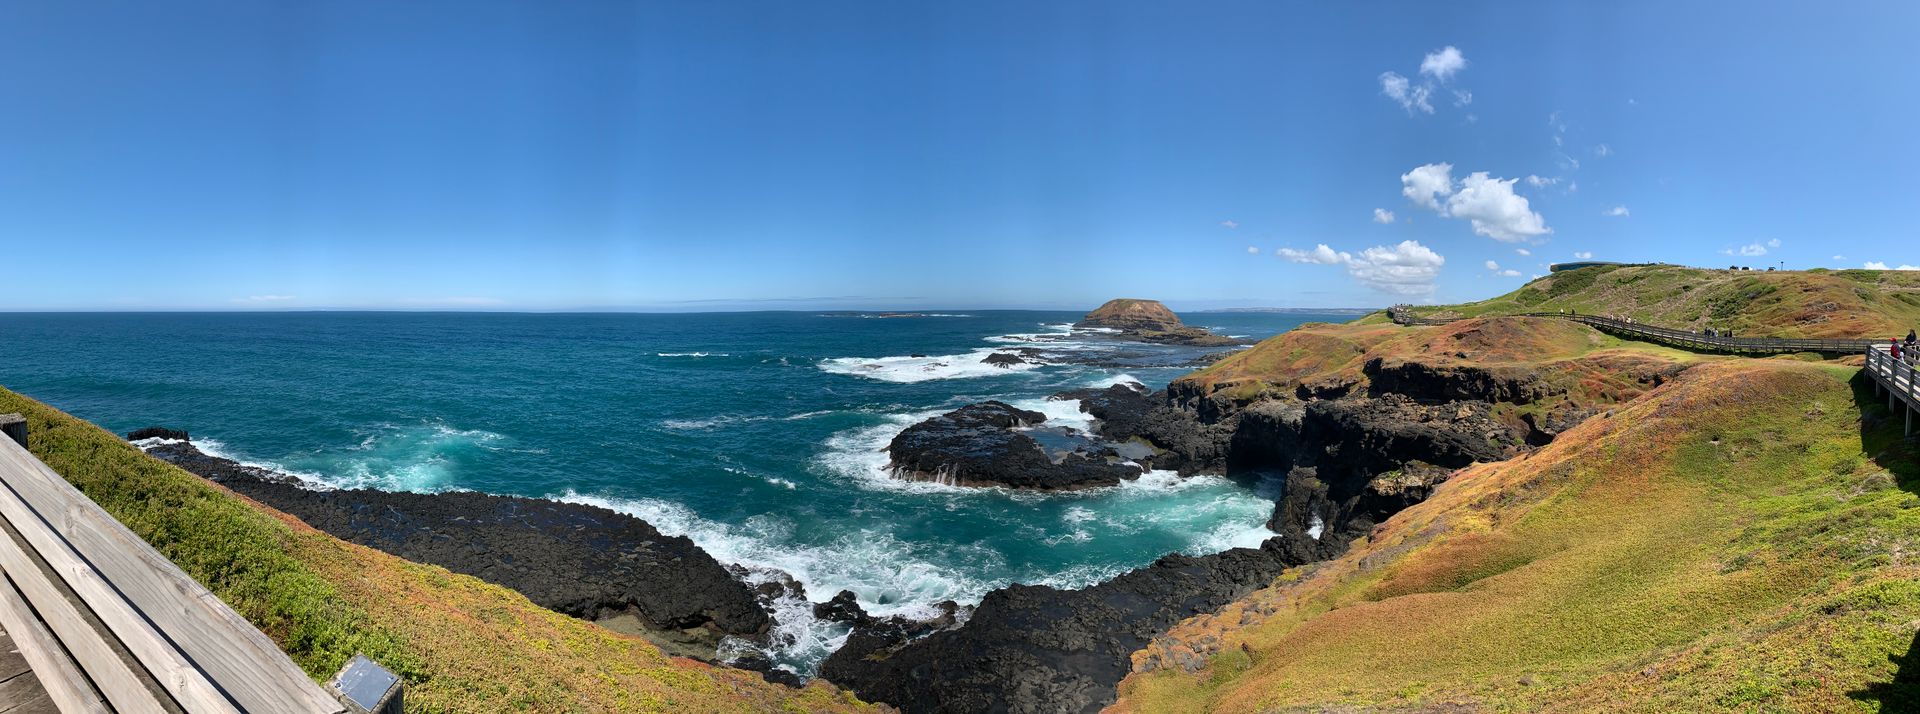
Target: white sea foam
x,y
1318,526
860,455
1060,412
690,354
218,450
1227,536
888,576
709,422
1116,380
921,369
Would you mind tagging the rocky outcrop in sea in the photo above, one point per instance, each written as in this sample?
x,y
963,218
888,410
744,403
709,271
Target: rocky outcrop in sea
x,y
995,444
1150,321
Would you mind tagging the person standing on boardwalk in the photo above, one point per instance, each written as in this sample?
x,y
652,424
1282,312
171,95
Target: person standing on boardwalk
x,y
1894,346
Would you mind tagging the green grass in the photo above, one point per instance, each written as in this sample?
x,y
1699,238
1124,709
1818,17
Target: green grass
x,y
1822,303
463,645
239,553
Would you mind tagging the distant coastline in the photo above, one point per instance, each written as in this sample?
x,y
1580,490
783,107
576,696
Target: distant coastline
x,y
1296,310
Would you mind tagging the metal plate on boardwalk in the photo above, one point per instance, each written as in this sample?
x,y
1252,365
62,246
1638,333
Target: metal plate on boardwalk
x,y
365,683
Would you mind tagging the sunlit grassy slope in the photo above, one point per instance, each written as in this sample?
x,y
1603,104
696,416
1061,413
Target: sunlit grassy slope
x,y
1741,539
1318,356
462,644
1814,303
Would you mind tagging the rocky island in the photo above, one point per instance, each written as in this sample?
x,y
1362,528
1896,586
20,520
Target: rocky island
x,y
1150,321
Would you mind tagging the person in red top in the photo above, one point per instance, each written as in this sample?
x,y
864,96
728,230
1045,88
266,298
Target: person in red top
x,y
1895,342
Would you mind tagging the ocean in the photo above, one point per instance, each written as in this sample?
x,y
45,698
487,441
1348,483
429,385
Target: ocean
x,y
758,435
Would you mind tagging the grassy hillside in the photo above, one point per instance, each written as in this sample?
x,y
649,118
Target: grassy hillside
x,y
1320,357
462,644
1814,303
1741,539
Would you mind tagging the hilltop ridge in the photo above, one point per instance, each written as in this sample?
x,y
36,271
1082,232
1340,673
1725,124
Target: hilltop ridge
x,y
1816,303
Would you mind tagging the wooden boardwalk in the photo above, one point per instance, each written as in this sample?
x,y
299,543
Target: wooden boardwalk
x,y
1898,379
1684,339
107,624
20,691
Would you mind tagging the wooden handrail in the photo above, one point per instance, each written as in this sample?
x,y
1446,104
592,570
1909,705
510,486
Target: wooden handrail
x,y
1680,338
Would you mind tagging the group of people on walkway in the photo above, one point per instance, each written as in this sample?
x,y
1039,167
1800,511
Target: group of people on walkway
x,y
1903,351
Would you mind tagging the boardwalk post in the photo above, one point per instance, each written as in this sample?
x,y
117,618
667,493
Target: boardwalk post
x,y
15,427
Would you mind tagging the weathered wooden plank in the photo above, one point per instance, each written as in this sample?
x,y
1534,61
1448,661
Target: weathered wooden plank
x,y
52,672
38,703
66,652
213,658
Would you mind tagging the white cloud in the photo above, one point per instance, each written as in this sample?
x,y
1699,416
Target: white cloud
x,y
1619,211
1537,181
1443,63
1437,68
1230,224
1583,255
1510,273
1877,265
1410,97
1425,183
1251,250
1493,266
1559,128
1775,243
258,299
1839,257
1407,269
1495,210
1523,251
1749,250
1381,215
1602,150
1320,255
1488,203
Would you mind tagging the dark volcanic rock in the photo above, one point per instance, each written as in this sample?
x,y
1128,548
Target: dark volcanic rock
x,y
581,560
979,445
844,607
1003,359
1130,413
1034,649
156,432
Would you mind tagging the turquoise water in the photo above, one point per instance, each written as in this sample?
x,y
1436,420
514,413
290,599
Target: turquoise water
x,y
756,434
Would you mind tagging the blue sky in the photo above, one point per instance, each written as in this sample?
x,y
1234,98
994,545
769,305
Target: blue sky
x,y
722,155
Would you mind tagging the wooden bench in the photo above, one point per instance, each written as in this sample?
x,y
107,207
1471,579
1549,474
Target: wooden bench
x,y
110,625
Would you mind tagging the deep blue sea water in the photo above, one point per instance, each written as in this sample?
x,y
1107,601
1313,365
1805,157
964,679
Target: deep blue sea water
x,y
758,435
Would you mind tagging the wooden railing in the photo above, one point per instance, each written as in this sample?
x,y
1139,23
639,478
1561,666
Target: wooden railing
x,y
1897,377
109,624
1686,339
1713,343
